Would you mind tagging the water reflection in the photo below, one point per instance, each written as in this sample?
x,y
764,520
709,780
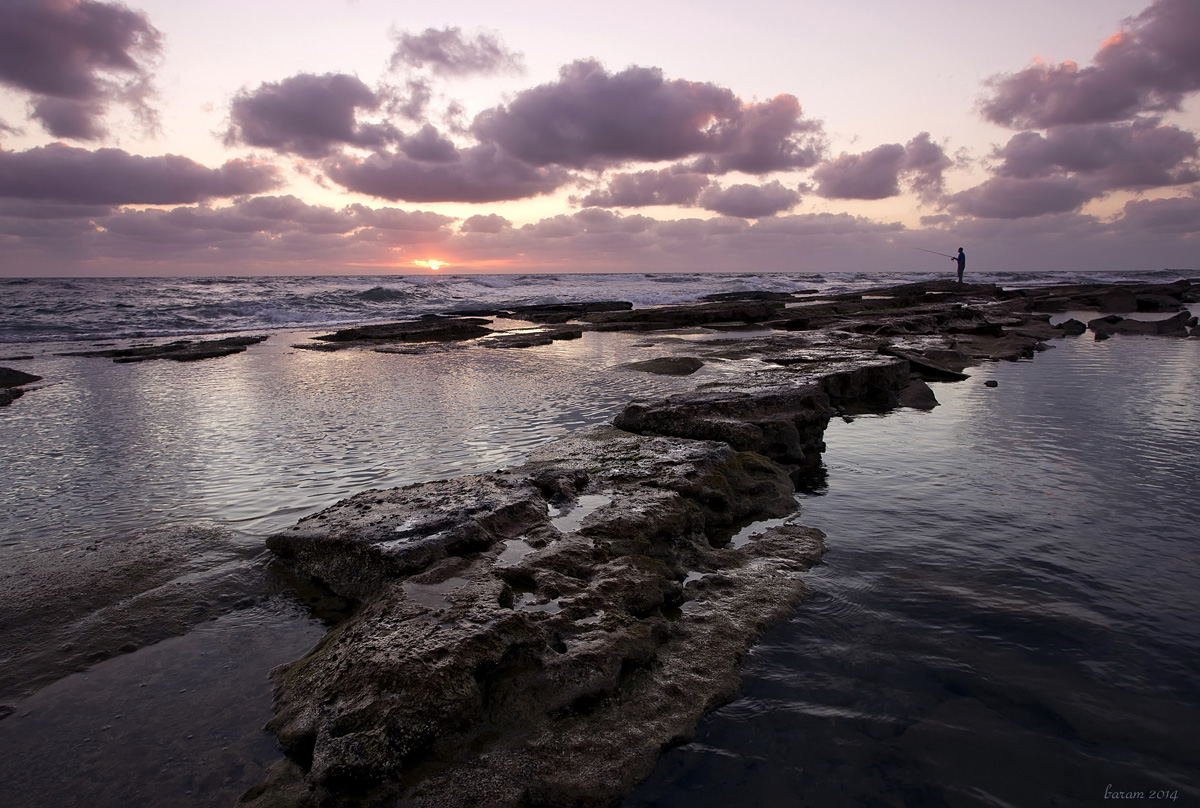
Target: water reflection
x,y
1006,613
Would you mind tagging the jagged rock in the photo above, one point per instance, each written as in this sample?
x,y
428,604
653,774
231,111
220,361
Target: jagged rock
x,y
476,675
183,350
1073,327
918,395
667,365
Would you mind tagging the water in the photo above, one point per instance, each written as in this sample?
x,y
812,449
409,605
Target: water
x,y
57,309
1007,611
1010,586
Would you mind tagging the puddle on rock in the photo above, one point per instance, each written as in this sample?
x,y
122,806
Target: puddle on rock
x,y
570,520
514,550
433,596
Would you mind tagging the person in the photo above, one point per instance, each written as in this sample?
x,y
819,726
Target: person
x,y
961,258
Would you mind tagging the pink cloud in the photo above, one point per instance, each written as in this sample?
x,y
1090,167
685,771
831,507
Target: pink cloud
x,y
447,52
749,201
76,58
62,173
1146,68
876,174
590,118
308,115
1015,198
1173,215
1142,154
666,186
478,174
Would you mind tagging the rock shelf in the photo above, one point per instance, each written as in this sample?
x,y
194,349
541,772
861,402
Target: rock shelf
x,y
538,635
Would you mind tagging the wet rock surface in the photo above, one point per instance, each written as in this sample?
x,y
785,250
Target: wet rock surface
x,y
431,328
11,382
180,350
536,636
533,636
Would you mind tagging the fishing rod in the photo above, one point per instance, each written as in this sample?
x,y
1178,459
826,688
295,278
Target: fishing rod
x,y
944,255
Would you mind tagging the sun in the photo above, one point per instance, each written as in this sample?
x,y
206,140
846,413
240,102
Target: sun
x,y
431,263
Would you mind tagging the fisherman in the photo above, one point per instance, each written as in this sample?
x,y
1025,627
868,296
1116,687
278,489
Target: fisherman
x,y
961,259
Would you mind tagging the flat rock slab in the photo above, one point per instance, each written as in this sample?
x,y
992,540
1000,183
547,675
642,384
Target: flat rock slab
x,y
532,339
432,328
179,351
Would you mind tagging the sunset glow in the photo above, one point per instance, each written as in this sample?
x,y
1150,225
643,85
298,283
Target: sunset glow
x,y
513,141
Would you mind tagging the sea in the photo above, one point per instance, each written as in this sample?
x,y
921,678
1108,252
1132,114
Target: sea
x,y
1008,613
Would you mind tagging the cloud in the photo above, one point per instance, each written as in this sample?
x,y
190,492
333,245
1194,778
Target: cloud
x,y
749,201
76,57
1138,155
592,119
62,173
1015,198
448,53
871,175
876,174
1173,215
1147,67
477,174
667,186
308,115
489,223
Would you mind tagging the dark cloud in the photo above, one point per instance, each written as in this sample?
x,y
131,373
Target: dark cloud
x,y
76,58
447,52
1146,68
1014,198
63,173
876,174
477,174
64,117
592,119
489,223
429,146
1139,155
870,175
749,201
308,115
667,186
1177,215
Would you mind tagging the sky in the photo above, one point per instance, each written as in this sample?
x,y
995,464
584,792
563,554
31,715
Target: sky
x,y
317,137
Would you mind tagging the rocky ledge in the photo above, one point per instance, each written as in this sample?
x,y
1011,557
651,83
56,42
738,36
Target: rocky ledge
x,y
536,636
11,382
180,351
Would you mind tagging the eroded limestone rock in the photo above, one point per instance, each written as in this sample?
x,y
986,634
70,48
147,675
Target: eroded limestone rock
x,y
534,636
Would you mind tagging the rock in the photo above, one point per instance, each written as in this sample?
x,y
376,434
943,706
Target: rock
x,y
532,339
683,316
918,395
430,328
16,378
10,394
1175,326
923,366
556,675
783,297
667,365
564,312
991,383
1073,327
181,350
